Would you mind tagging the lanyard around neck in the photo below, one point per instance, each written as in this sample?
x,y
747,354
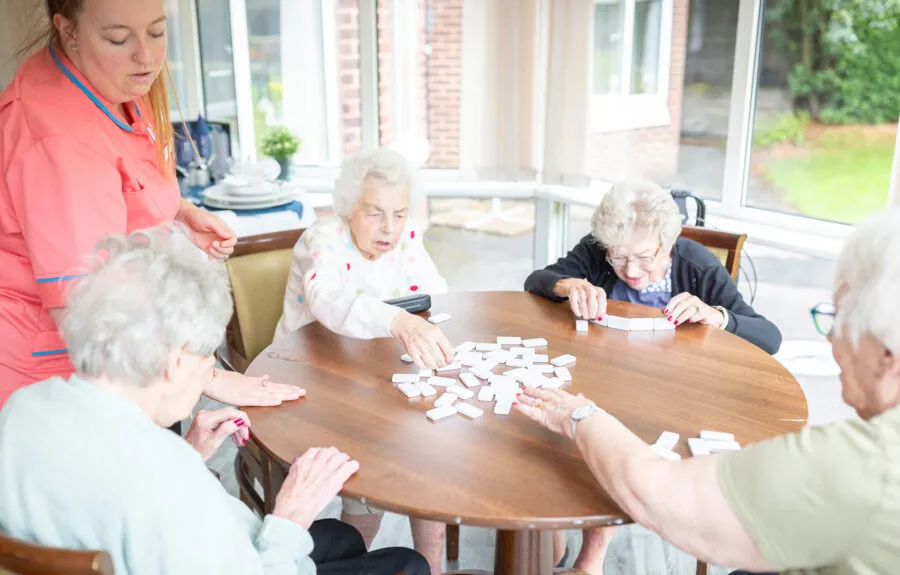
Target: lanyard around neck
x,y
90,94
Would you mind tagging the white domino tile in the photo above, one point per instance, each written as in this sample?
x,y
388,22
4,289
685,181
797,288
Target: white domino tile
x,y
698,447
470,358
439,413
405,378
469,380
722,446
487,346
446,399
665,453
563,360
553,383
517,362
641,324
425,389
716,436
620,323
437,381
508,340
469,410
449,367
581,325
668,440
522,351
464,347
503,407
440,318
486,394
425,372
409,389
534,342
662,324
563,373
461,392
542,368
405,358
482,373
540,358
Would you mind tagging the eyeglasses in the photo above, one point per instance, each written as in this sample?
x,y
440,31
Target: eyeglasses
x,y
823,318
643,262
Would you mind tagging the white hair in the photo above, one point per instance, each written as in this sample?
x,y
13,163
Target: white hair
x,y
867,280
145,296
628,206
383,164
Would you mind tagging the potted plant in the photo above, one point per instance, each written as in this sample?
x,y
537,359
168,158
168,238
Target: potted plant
x,y
281,145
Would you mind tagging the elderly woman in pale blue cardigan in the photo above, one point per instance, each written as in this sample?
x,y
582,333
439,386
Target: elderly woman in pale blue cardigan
x,y
86,463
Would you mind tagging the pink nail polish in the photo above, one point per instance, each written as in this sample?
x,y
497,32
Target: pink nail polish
x,y
670,318
676,322
239,422
243,442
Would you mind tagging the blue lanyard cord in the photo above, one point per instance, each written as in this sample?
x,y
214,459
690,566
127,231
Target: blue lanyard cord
x,y
90,94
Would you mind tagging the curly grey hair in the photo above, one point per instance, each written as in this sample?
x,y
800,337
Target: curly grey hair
x,y
628,206
145,296
867,275
383,164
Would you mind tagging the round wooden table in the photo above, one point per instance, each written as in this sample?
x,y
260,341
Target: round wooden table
x,y
506,472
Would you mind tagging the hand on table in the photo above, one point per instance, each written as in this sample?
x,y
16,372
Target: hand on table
x,y
687,308
313,481
238,389
425,343
210,428
586,300
207,231
552,408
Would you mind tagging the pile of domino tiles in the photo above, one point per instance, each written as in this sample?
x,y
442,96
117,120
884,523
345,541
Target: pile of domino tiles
x,y
517,363
709,442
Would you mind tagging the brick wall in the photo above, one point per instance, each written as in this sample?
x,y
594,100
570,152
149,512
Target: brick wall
x,y
650,152
386,131
347,15
444,69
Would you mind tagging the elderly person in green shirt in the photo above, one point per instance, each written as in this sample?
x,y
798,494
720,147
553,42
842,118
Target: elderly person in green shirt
x,y
86,463
825,500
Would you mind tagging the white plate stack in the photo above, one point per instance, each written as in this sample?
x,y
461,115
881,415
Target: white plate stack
x,y
240,193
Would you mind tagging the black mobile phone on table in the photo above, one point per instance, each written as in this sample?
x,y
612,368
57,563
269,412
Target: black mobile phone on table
x,y
412,303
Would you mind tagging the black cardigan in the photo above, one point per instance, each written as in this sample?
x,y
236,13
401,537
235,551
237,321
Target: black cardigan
x,y
694,269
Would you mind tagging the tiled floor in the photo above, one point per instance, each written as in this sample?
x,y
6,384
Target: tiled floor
x,y
788,285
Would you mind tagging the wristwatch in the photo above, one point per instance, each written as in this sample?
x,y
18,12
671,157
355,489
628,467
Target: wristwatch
x,y
582,413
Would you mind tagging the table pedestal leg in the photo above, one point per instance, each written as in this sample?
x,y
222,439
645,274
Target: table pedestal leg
x,y
524,553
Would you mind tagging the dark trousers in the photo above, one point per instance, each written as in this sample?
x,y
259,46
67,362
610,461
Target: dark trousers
x,y
340,549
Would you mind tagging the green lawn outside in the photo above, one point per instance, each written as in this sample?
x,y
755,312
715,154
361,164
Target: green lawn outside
x,y
843,175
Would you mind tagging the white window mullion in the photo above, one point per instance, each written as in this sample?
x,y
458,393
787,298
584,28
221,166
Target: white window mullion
x,y
894,192
743,103
331,80
627,47
665,48
240,45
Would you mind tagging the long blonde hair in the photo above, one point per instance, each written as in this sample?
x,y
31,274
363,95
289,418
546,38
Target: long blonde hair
x,y
157,100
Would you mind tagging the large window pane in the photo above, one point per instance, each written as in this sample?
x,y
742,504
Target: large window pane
x,y
706,96
609,24
826,110
175,57
217,61
645,54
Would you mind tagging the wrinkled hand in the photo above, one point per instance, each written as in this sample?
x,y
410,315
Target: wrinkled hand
x,y
210,428
586,300
687,308
425,343
208,231
313,481
238,389
552,408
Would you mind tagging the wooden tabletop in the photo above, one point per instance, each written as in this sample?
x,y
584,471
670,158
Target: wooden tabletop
x,y
505,471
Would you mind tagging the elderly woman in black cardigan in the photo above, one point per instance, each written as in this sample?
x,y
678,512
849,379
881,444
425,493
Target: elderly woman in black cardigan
x,y
634,253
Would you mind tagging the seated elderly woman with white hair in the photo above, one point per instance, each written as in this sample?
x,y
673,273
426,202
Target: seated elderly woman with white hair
x,y
345,267
86,463
635,253
825,500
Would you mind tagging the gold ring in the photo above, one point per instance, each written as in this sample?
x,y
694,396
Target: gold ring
x,y
539,403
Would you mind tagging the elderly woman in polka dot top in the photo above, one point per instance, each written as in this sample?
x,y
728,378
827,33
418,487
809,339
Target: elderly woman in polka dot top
x,y
344,268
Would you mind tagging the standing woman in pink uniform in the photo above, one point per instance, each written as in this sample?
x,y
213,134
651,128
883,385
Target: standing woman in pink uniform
x,y
86,149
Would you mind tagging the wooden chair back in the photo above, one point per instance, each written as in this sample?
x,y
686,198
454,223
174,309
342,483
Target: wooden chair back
x,y
21,558
724,245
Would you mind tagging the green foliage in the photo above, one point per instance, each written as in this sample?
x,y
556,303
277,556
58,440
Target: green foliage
x,y
787,128
280,143
847,60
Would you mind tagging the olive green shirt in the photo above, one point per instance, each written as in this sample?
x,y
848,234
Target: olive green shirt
x,y
822,501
